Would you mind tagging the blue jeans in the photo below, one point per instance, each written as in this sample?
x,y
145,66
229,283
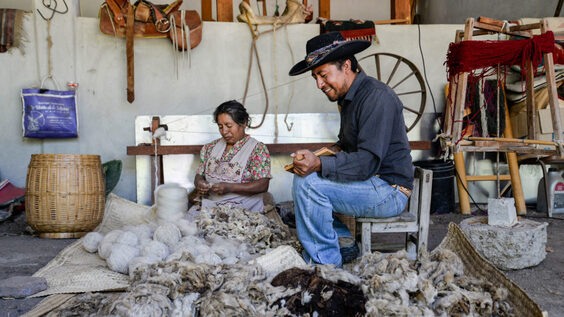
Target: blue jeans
x,y
316,198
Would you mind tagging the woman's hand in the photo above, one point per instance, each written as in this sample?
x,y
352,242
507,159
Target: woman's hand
x,y
221,188
202,186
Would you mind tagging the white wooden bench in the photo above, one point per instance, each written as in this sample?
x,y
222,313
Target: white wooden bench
x,y
414,221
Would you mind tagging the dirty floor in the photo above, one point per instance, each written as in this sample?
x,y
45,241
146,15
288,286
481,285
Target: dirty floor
x,y
24,254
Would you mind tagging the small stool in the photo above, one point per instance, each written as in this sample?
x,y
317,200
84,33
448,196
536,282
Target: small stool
x,y
413,221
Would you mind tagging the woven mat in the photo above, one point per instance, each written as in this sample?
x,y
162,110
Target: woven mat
x,y
477,266
74,270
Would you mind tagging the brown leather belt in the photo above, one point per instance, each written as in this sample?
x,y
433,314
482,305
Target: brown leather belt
x,y
406,191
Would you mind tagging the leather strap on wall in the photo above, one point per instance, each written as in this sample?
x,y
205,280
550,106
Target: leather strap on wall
x,y
129,35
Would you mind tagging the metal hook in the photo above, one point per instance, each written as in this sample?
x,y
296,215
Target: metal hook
x,y
48,6
61,12
53,9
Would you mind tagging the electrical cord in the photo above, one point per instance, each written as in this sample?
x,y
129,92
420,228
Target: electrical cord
x,y
467,192
427,80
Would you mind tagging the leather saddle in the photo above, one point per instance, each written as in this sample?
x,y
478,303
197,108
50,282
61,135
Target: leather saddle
x,y
144,19
152,21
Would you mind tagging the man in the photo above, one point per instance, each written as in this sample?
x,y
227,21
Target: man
x,y
371,174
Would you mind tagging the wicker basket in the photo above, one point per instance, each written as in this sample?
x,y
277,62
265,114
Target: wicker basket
x,y
65,194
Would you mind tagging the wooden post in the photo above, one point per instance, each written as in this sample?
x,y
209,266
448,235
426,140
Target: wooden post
x,y
457,129
224,10
401,9
552,93
531,107
207,10
155,124
513,165
325,9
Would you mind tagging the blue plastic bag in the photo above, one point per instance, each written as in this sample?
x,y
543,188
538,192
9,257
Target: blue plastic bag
x,y
49,113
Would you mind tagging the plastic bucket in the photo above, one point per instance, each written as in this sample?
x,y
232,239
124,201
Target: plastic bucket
x,y
442,197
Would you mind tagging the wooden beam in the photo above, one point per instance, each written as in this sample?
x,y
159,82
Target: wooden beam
x,y
401,10
149,149
325,9
207,10
224,10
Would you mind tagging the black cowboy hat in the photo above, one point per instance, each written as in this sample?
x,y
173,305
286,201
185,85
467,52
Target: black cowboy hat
x,y
327,47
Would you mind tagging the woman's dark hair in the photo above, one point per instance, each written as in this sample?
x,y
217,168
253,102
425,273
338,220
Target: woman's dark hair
x,y
235,109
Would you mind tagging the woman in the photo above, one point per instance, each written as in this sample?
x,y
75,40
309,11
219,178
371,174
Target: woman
x,y
234,169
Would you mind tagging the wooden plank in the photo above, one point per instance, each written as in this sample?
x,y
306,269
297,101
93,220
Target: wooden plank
x,y
520,150
479,178
207,10
224,10
497,29
148,149
325,9
513,164
462,80
365,239
461,182
552,93
401,9
393,227
426,188
531,108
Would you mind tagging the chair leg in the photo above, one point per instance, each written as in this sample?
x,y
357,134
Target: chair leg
x,y
411,246
365,238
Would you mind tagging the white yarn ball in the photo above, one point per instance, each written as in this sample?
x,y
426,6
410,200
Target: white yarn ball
x,y
118,261
139,261
189,243
186,227
127,237
155,249
105,249
209,258
142,231
91,241
105,246
174,256
112,235
168,234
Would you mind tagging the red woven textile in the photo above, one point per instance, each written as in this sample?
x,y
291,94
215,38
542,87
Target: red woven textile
x,y
470,55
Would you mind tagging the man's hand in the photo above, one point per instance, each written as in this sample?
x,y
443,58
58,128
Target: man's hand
x,y
221,188
305,163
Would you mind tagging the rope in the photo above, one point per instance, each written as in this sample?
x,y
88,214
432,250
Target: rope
x,y
255,36
49,46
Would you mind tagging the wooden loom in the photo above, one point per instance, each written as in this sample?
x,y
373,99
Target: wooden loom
x,y
452,138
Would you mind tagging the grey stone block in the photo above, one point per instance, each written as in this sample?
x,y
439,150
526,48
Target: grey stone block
x,y
501,212
508,248
22,286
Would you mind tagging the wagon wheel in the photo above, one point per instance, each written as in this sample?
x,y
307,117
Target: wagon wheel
x,y
410,87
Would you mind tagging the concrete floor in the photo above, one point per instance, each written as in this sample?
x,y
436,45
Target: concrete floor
x,y
24,254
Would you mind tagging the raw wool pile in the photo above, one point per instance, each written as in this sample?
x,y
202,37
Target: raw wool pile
x,y
433,285
320,295
256,230
179,287
226,236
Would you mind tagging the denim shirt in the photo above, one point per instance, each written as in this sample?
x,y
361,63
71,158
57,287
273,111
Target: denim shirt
x,y
372,136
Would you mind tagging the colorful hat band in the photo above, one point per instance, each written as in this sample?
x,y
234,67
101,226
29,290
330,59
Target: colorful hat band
x,y
318,54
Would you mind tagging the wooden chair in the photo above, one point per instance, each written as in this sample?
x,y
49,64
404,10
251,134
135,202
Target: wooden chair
x,y
414,221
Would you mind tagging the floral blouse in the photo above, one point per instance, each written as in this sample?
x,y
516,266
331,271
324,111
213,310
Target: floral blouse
x,y
257,167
